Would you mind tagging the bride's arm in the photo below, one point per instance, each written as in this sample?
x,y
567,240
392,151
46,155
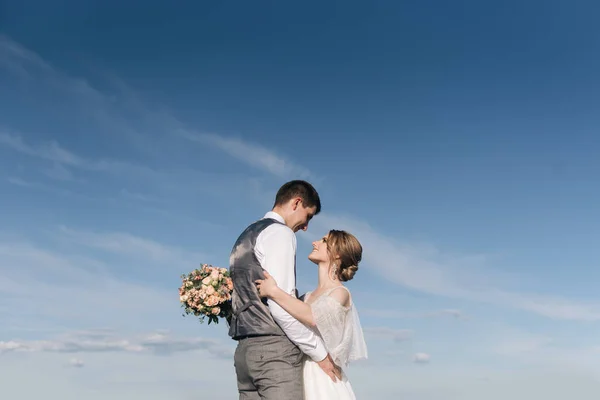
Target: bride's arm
x,y
296,308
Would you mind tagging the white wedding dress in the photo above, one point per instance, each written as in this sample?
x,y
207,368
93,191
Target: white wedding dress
x,y
340,329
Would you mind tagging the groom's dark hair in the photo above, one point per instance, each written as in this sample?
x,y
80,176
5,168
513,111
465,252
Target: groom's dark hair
x,y
298,188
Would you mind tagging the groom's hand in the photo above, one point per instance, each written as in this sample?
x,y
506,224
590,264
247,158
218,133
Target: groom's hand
x,y
330,368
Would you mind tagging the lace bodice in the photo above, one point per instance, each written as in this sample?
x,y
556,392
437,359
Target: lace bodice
x,y
339,327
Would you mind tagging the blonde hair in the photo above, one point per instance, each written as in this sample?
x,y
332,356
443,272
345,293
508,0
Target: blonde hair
x,y
349,250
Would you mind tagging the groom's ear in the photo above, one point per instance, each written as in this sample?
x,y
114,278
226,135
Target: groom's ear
x,y
295,203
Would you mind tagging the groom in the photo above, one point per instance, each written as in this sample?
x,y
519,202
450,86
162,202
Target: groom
x,y
271,343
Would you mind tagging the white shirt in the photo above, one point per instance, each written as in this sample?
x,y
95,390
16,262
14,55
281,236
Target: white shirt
x,y
275,250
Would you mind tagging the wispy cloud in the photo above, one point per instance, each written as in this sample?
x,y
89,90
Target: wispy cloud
x,y
252,154
131,246
50,151
20,182
421,358
62,158
138,196
541,349
160,122
158,344
514,345
88,280
61,173
49,187
17,58
136,182
114,109
397,335
75,291
423,269
76,363
428,270
392,314
30,65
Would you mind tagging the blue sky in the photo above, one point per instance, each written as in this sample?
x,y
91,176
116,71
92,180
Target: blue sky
x,y
457,141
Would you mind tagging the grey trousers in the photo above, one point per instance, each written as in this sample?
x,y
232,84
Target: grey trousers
x,y
269,368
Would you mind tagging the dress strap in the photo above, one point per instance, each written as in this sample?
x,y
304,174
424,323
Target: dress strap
x,y
306,296
337,287
327,293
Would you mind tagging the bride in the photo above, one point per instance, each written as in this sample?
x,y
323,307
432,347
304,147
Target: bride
x,y
329,311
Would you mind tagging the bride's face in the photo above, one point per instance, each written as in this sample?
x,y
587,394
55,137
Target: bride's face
x,y
319,253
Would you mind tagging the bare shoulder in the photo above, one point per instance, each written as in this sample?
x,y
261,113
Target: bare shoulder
x,y
342,295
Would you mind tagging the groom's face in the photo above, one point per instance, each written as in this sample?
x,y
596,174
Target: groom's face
x,y
301,217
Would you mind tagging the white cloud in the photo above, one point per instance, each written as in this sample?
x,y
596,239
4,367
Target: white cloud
x,y
51,151
112,110
21,182
108,109
17,58
251,154
30,65
158,344
76,363
164,187
54,152
392,314
426,269
77,291
397,335
519,344
117,375
132,246
541,350
422,268
472,383
138,196
60,172
421,358
547,305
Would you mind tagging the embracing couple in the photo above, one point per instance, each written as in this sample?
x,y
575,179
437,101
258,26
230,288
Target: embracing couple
x,y
292,349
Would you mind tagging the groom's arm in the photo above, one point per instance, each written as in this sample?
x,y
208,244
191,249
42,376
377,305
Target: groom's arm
x,y
276,251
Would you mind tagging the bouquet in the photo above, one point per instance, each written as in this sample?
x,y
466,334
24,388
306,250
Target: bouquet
x,y
206,293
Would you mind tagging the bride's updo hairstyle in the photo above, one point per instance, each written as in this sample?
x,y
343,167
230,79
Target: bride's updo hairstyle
x,y
349,250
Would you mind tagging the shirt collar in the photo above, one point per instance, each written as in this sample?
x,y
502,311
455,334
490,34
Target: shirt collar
x,y
275,216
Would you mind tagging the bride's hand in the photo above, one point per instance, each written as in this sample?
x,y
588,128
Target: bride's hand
x,y
266,287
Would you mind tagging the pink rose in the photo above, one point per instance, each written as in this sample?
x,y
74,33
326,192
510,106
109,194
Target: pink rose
x,y
211,301
216,310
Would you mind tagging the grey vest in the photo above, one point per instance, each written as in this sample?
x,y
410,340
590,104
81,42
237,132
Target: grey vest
x,y
251,316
